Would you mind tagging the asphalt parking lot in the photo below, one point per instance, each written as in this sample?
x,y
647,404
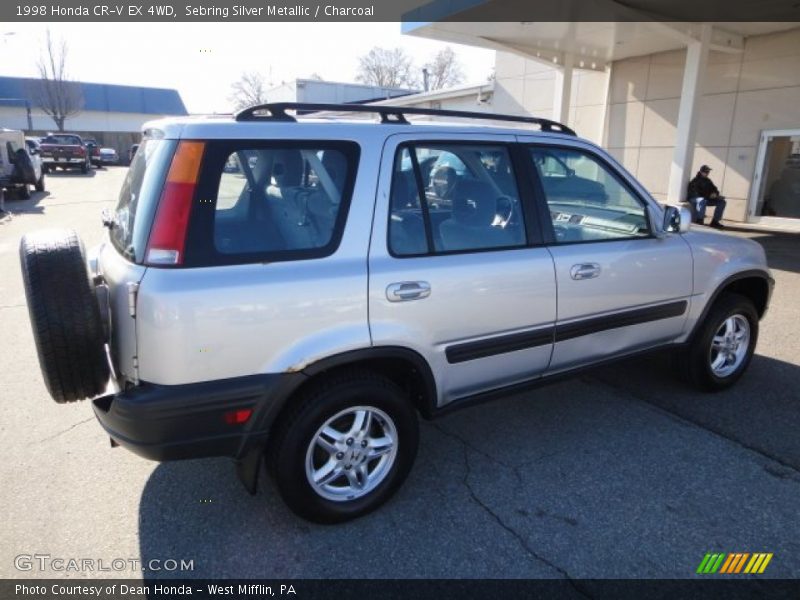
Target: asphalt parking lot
x,y
623,472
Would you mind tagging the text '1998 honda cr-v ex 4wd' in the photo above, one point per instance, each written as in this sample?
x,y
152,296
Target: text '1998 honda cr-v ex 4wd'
x,y
299,288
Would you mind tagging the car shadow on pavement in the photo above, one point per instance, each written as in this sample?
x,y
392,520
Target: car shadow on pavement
x,y
29,207
782,248
70,173
623,463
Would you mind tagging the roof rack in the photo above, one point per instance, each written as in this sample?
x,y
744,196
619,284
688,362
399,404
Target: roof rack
x,y
389,114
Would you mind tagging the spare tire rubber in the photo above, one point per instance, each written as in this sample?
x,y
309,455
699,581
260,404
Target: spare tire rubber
x,y
25,173
65,315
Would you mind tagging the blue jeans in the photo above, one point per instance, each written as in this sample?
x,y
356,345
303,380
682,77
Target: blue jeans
x,y
699,207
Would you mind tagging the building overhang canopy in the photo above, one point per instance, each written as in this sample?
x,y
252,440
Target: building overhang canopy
x,y
590,45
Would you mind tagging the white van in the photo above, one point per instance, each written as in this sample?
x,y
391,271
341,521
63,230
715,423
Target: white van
x,y
20,164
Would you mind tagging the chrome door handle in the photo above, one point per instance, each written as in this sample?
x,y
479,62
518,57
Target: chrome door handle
x,y
584,271
408,290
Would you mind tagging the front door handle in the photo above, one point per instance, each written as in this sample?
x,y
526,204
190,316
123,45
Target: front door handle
x,y
408,290
584,271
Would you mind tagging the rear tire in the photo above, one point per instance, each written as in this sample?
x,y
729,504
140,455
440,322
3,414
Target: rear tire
x,y
65,316
722,348
24,192
371,469
40,183
84,168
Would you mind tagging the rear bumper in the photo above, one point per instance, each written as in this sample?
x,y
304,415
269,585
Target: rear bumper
x,y
170,422
47,160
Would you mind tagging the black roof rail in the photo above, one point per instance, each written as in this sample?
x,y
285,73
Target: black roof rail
x,y
389,114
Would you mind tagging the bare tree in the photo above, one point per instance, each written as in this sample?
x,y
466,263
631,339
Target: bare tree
x,y
54,92
248,91
387,67
444,70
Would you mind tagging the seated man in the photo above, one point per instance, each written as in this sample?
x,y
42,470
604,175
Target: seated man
x,y
703,193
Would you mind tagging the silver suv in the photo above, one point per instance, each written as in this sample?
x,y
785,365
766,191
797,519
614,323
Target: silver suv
x,y
299,289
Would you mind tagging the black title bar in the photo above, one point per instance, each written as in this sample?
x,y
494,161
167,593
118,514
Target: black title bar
x,y
409,11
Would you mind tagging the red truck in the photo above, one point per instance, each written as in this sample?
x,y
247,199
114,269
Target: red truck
x,y
65,151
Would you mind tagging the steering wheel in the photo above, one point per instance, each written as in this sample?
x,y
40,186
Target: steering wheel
x,y
506,213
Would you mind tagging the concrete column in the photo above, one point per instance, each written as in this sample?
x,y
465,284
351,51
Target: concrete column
x,y
563,94
693,75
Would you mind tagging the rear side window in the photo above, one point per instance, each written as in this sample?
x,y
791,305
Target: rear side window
x,y
271,201
454,197
139,197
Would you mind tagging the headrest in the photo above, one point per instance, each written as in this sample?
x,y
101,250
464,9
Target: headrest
x,y
444,181
335,164
474,203
288,168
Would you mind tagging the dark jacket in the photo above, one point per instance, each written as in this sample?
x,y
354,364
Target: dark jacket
x,y
701,187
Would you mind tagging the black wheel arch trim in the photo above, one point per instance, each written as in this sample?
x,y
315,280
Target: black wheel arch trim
x,y
352,357
748,274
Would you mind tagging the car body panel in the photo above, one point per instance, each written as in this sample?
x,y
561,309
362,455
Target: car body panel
x,y
121,276
204,323
718,257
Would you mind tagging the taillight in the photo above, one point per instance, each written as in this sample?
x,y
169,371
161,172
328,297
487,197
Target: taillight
x,y
81,152
168,236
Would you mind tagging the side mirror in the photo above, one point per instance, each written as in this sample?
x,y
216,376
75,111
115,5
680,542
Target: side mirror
x,y
34,151
677,219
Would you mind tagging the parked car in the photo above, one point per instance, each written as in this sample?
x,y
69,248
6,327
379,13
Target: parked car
x,y
34,148
93,149
65,151
20,164
108,156
306,310
132,152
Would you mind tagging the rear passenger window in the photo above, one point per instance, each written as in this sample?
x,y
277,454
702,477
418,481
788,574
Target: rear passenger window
x,y
453,198
586,199
282,201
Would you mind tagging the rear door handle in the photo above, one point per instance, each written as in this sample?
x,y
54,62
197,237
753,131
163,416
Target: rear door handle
x,y
408,290
584,271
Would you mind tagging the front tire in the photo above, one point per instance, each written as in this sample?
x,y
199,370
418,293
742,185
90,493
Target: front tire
x,y
345,447
723,347
40,183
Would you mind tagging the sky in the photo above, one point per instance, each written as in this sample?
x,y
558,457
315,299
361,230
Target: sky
x,y
201,60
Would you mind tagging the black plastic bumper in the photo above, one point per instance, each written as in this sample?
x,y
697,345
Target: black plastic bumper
x,y
169,422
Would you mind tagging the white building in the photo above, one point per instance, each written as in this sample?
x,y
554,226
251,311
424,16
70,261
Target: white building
x,y
664,98
315,90
470,97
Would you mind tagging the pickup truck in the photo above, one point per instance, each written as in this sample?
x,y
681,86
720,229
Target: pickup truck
x,y
65,151
93,149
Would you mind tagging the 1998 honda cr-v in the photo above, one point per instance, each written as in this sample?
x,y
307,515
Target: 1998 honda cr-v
x,y
299,289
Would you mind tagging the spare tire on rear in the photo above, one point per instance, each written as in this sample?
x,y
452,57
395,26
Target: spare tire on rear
x,y
65,315
23,168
